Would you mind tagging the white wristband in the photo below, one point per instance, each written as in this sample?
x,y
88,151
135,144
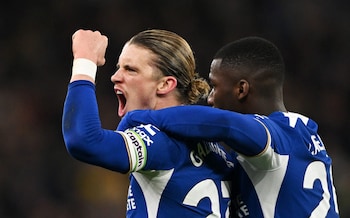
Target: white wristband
x,y
85,67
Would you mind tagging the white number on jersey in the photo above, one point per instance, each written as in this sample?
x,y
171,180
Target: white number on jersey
x,y
196,194
155,181
317,170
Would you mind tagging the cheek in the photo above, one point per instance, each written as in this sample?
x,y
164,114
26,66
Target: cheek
x,y
140,85
223,99
220,95
144,91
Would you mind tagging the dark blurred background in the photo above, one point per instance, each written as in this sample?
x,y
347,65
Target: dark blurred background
x,y
37,176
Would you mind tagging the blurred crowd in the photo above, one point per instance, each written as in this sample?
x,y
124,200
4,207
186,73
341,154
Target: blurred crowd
x,y
38,178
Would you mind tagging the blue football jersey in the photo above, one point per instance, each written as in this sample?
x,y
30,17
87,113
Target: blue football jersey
x,y
169,177
285,170
293,176
173,178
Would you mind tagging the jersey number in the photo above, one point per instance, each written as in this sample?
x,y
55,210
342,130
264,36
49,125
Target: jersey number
x,y
196,194
317,170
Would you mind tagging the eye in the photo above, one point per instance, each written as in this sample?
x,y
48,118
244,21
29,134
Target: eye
x,y
128,68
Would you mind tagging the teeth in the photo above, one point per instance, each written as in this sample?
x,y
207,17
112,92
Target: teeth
x,y
119,92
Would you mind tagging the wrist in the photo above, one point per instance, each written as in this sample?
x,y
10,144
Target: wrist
x,y
83,66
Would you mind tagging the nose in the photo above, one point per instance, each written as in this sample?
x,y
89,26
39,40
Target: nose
x,y
210,99
116,77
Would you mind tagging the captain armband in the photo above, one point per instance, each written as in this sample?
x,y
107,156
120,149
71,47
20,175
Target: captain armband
x,y
136,148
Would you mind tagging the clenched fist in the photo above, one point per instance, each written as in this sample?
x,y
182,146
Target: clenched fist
x,y
90,45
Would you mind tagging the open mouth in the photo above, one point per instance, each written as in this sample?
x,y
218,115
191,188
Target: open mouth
x,y
122,102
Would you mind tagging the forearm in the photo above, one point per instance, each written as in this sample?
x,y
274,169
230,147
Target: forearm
x,y
84,137
241,132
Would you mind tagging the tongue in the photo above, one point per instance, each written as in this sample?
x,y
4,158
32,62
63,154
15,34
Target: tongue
x,y
121,107
121,110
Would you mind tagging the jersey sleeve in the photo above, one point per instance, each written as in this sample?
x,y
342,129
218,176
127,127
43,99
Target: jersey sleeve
x,y
151,149
83,135
242,132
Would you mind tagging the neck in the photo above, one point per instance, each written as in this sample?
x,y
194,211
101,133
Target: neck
x,y
267,109
264,106
164,102
272,103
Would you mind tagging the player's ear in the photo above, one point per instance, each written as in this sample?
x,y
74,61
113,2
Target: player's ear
x,y
243,89
166,85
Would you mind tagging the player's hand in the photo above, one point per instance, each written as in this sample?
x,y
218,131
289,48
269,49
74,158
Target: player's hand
x,y
91,45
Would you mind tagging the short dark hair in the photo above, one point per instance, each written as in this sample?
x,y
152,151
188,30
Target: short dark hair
x,y
254,53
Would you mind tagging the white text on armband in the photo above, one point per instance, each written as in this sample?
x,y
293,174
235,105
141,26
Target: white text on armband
x,y
136,149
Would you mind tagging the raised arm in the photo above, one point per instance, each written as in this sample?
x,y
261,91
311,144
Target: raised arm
x,y
81,127
82,132
244,133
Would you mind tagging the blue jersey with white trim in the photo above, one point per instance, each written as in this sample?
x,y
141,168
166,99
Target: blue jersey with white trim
x,y
285,168
169,177
297,180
